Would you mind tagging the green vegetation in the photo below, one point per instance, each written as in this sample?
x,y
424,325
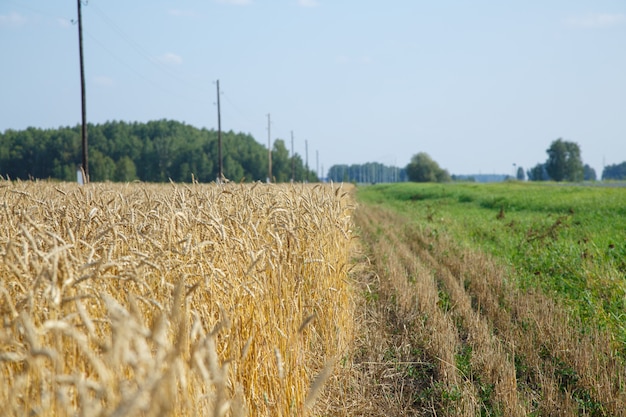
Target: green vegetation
x,y
370,172
423,168
156,151
614,172
564,163
570,241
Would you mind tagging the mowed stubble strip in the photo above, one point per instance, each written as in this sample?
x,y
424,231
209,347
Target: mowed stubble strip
x,y
410,292
389,367
504,351
562,367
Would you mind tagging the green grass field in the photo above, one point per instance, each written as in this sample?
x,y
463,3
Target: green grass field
x,y
570,241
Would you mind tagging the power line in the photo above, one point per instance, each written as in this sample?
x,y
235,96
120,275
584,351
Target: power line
x,y
138,74
238,109
137,47
33,9
140,50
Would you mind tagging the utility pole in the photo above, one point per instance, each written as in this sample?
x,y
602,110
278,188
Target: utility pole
x,y
269,149
317,164
220,174
85,164
293,161
306,150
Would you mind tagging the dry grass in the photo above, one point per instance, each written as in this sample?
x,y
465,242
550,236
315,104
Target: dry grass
x,y
487,347
152,300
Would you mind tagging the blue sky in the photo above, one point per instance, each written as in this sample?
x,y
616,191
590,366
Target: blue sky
x,y
478,85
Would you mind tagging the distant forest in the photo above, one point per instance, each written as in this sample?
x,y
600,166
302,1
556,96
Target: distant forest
x,y
371,172
155,151
614,172
163,150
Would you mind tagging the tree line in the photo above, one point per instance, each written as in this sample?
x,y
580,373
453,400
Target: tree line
x,y
370,172
155,151
614,172
422,168
164,150
564,163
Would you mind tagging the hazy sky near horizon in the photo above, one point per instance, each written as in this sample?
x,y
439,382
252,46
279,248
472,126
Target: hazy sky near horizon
x,y
478,85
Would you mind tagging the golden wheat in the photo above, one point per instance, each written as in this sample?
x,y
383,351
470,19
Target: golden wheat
x,y
182,300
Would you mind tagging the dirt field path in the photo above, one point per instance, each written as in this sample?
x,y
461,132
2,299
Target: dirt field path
x,y
443,332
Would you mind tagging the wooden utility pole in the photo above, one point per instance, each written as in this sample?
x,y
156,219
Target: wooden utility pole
x,y
85,163
293,161
220,175
317,163
269,149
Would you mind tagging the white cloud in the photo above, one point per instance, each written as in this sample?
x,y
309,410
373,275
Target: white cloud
x,y
308,3
12,19
235,2
103,81
171,58
596,20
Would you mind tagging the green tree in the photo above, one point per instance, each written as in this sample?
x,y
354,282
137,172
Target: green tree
x,y
165,149
125,170
232,169
520,174
589,174
366,173
153,151
564,162
281,162
614,172
101,167
64,172
538,173
299,164
423,168
251,155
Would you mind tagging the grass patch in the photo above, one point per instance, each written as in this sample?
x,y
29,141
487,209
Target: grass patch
x,y
570,241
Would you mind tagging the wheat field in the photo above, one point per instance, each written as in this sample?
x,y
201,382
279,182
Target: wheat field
x,y
181,300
